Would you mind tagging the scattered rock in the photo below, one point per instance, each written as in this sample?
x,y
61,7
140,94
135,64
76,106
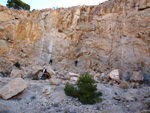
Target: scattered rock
x,y
137,76
55,81
114,75
74,79
13,88
104,78
129,99
147,101
16,73
124,85
114,109
145,111
73,74
117,98
134,85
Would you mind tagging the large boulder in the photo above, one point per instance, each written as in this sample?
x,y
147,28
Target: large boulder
x,y
137,76
73,76
37,71
16,73
48,68
13,88
74,79
114,75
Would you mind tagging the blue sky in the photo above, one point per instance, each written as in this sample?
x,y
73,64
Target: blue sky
x,y
42,4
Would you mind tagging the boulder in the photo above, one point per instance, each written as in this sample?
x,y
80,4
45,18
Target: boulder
x,y
35,69
142,4
55,81
124,85
16,73
13,88
114,75
74,79
137,76
73,74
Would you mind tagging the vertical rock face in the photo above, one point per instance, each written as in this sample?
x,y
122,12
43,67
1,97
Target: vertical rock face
x,y
114,34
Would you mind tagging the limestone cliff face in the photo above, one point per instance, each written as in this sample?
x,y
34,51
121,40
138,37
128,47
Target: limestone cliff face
x,y
114,34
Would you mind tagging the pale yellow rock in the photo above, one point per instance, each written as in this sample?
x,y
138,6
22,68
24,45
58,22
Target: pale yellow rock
x,y
114,75
73,74
13,88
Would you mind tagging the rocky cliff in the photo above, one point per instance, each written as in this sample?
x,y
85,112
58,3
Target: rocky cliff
x,y
114,34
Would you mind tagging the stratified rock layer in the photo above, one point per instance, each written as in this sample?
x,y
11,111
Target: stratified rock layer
x,y
112,35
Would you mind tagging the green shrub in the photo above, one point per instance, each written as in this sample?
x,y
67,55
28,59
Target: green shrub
x,y
70,90
135,98
86,91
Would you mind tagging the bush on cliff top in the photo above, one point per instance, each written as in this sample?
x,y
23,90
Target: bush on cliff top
x,y
17,4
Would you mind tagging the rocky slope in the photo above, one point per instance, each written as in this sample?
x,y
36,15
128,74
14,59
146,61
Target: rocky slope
x,y
114,34
41,97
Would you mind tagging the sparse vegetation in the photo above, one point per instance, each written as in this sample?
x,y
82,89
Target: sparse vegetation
x,y
135,98
85,91
70,90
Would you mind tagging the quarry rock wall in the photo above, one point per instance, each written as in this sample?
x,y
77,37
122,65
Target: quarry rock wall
x,y
111,35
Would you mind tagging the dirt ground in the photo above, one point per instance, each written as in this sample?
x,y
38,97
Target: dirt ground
x,y
42,97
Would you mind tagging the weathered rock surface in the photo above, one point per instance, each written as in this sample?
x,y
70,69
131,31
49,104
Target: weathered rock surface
x,y
114,75
73,74
137,76
16,73
13,88
74,79
124,85
112,35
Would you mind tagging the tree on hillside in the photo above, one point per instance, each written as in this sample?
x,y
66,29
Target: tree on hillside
x,y
17,4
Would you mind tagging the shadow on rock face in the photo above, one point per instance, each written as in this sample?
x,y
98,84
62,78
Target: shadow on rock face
x,y
5,74
146,78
